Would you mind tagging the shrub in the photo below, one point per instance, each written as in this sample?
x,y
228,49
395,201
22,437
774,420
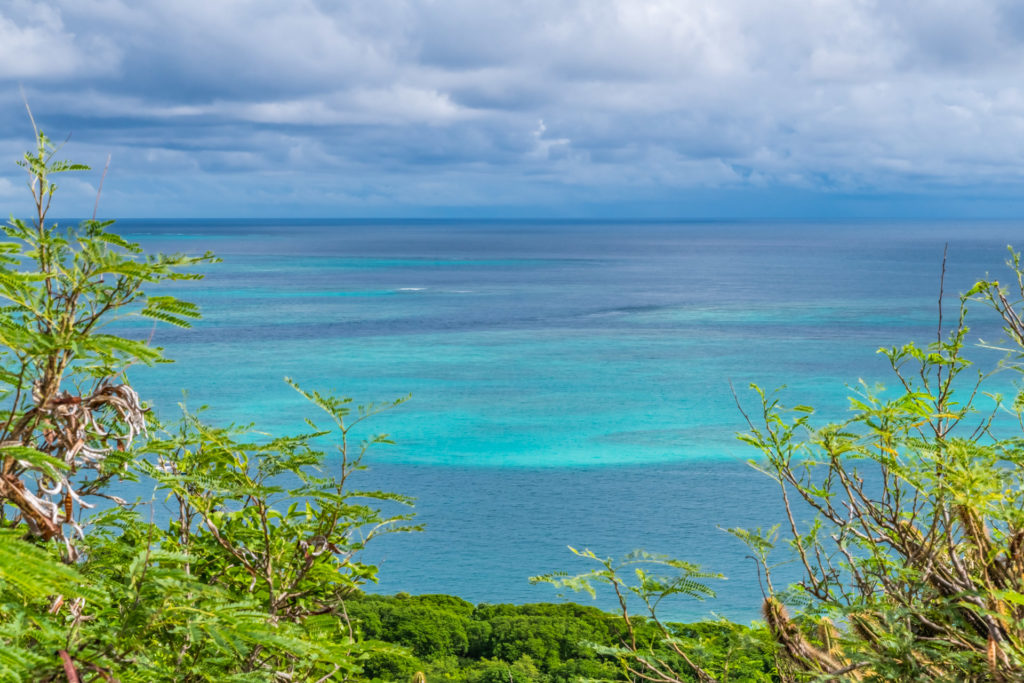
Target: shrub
x,y
247,578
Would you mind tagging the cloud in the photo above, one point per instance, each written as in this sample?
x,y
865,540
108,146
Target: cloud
x,y
35,44
397,105
555,103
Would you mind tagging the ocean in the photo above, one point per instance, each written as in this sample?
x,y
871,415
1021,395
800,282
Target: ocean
x,y
571,382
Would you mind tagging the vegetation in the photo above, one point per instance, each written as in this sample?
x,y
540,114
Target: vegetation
x,y
918,541
247,577
907,520
449,639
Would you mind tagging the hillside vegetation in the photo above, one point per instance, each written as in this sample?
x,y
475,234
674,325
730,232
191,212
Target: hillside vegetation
x,y
449,639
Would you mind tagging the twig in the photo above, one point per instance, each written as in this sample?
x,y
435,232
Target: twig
x,y
69,667
96,206
942,286
24,98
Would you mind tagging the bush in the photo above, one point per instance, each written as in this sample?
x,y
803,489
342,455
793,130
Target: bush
x,y
913,560
248,577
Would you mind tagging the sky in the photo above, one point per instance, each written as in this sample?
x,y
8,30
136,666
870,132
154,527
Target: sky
x,y
521,108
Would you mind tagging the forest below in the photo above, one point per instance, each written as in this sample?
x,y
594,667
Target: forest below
x,y
447,638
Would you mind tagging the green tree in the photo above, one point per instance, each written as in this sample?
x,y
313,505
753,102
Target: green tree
x,y
918,500
70,416
248,577
906,518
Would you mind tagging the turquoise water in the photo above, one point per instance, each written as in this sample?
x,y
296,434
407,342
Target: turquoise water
x,y
570,381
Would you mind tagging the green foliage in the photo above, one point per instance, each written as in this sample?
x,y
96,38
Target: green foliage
x,y
918,506
915,500
430,626
649,648
657,577
540,643
907,519
68,408
246,577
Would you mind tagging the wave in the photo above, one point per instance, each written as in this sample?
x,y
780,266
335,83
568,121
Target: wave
x,y
627,310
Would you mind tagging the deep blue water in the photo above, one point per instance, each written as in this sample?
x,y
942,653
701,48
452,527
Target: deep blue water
x,y
570,381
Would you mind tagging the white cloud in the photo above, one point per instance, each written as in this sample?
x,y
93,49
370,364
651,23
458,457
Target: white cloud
x,y
8,189
35,44
861,95
543,146
397,105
